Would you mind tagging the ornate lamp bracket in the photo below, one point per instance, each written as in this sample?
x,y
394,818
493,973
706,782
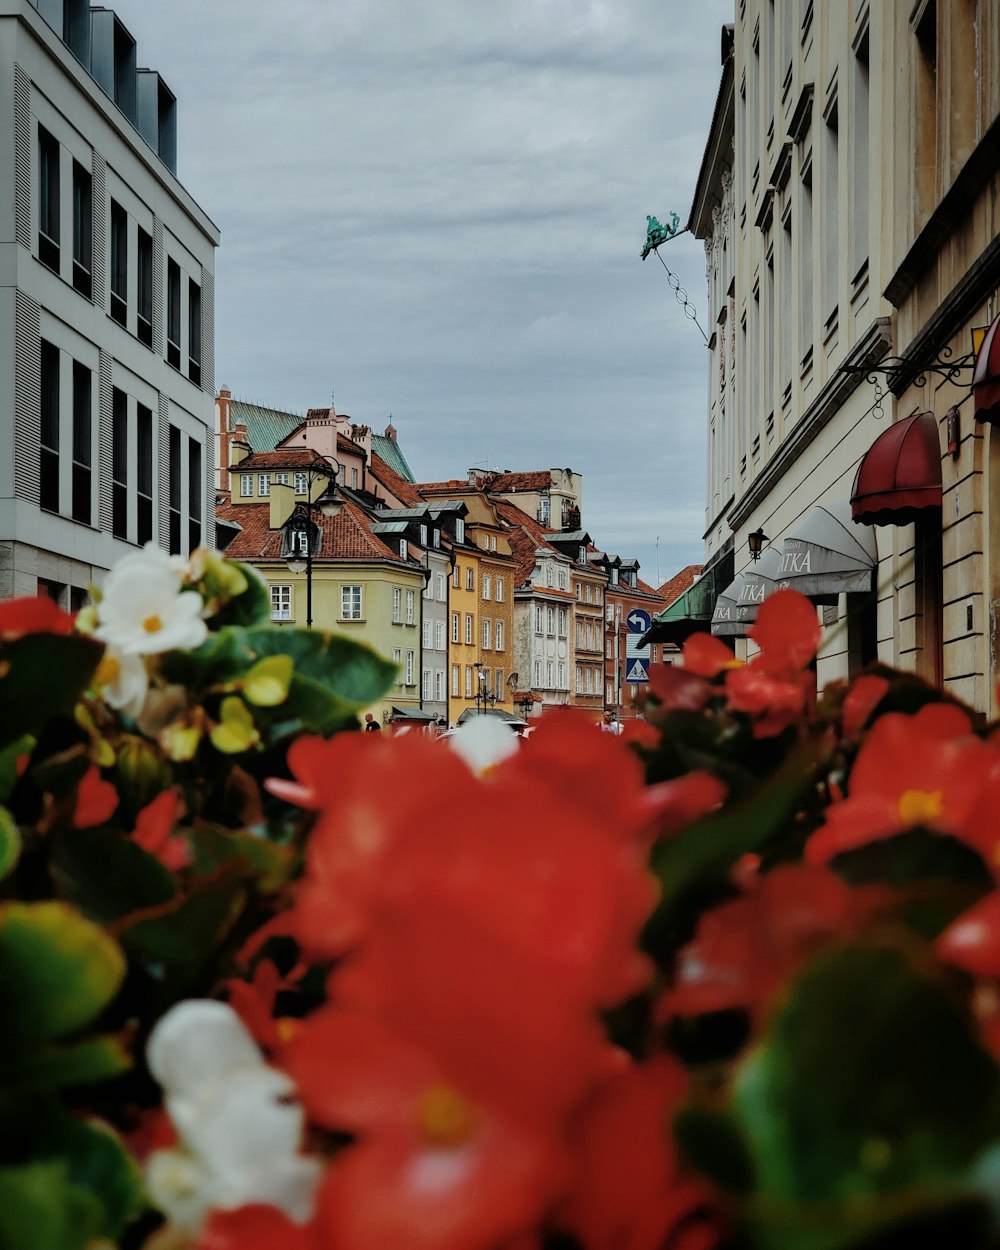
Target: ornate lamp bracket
x,y
897,372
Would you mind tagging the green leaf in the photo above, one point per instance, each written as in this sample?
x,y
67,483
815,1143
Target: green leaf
x,y
868,1096
10,842
252,607
61,1067
43,675
40,1209
268,863
236,731
266,685
57,970
179,938
107,875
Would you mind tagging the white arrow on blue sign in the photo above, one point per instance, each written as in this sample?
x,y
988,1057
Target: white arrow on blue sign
x,y
637,670
638,621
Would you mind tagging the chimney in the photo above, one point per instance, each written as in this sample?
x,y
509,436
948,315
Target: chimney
x,y
281,503
239,445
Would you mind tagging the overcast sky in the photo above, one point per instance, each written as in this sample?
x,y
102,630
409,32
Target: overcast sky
x,y
435,209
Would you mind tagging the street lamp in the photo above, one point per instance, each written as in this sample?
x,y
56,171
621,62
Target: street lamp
x,y
300,533
484,698
755,541
524,701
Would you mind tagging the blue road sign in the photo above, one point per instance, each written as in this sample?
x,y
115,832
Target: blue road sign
x,y
637,670
638,621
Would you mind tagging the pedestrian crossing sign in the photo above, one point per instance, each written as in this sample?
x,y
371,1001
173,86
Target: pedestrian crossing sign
x,y
637,670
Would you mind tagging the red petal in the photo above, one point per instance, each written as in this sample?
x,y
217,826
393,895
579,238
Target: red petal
x,y
37,615
787,631
707,656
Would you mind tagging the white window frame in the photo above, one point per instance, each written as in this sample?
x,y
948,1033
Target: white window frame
x,y
498,590
280,479
427,634
397,605
468,681
410,658
263,484
456,680
539,623
351,602
486,585
468,628
470,578
441,582
397,659
409,607
281,602
487,634
439,638
426,679
498,636
456,626
439,686
459,529
246,485
300,484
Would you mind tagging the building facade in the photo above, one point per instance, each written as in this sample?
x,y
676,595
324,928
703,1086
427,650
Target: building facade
x,y
106,308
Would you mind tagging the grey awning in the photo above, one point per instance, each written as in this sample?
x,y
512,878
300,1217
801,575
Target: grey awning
x,y
736,607
827,553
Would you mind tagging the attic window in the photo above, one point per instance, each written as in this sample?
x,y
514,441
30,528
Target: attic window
x,y
402,548
459,530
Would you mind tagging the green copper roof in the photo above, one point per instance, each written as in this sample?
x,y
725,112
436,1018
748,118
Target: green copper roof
x,y
266,427
691,612
389,450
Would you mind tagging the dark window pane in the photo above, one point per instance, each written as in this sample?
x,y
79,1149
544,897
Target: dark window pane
x,y
144,449
174,467
48,199
194,332
83,230
174,313
175,533
194,535
119,263
194,480
48,461
119,463
144,324
119,510
81,493
82,433
48,483
144,519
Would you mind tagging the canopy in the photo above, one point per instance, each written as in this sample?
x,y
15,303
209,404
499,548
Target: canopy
x,y
986,376
900,473
736,607
515,722
826,554
691,612
413,713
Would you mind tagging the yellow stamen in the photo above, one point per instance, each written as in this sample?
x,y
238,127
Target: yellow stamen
x,y
108,671
920,807
446,1118
152,624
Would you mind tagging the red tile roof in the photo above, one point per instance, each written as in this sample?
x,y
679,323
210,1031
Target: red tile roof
x,y
677,585
538,480
453,487
346,536
525,535
407,494
285,458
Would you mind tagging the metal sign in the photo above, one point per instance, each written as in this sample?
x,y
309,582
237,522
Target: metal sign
x,y
633,651
638,621
637,670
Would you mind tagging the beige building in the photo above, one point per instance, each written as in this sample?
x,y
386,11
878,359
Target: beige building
x,y
844,276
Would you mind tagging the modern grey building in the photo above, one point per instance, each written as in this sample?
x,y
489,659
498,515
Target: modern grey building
x,y
106,307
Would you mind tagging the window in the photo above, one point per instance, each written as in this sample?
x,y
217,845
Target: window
x,y
562,674
397,602
459,530
82,443
486,585
579,680
402,549
435,537
397,659
409,668
550,620
246,485
468,681
543,510
439,641
859,165
427,634
455,625
48,199
563,623
498,636
281,603
350,603
194,332
409,607
83,229
579,591
173,314
280,479
830,255
194,494
470,578
441,582
548,674
805,274
498,688
487,636
144,274
119,463
354,478
456,577
550,575
428,591
588,594
263,483
48,456
455,678
539,627
499,590
563,579
538,673
426,680
468,628
144,473
119,264
439,691
174,490
300,483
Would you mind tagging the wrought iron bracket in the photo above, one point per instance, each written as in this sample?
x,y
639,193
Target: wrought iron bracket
x,y
899,372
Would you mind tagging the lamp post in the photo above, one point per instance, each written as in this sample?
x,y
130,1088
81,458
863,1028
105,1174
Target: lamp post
x,y
300,531
484,698
523,701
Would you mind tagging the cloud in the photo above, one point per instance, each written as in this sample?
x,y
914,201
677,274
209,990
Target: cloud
x,y
436,209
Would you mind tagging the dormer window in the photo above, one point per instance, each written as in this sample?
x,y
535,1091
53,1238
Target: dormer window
x,y
299,541
614,577
436,537
402,548
543,510
459,530
423,535
583,555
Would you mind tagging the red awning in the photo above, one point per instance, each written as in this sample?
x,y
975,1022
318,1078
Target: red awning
x,y
986,376
900,474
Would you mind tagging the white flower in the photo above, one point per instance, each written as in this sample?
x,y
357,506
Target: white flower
x,y
239,1126
124,681
143,609
483,741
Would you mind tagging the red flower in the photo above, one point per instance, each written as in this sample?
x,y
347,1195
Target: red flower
x,y
682,689
257,1228
972,942
745,950
861,700
925,771
154,831
436,1165
787,632
774,703
675,804
36,615
96,799
629,1192
707,656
